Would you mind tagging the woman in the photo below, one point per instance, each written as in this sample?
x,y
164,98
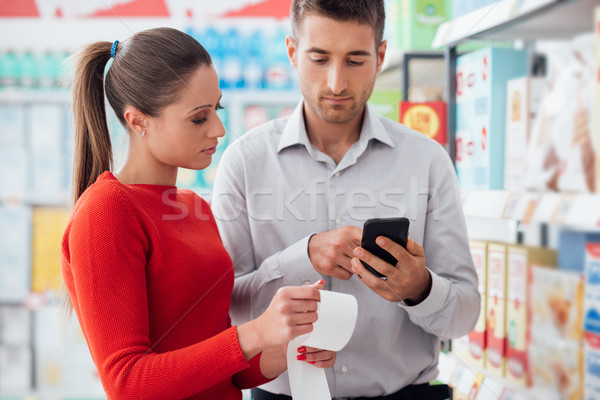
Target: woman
x,y
142,261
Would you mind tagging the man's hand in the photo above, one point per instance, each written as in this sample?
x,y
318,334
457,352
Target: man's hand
x,y
330,252
407,281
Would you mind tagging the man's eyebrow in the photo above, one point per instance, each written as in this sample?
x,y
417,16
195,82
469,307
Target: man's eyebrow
x,y
350,53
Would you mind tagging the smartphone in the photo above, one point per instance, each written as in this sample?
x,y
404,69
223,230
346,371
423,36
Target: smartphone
x,y
395,229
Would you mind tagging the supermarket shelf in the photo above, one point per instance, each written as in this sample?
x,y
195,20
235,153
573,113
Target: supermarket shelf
x,y
575,211
464,377
519,19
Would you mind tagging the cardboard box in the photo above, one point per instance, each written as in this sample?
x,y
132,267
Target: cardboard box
x,y
48,227
15,370
496,309
520,261
472,347
596,134
12,121
14,172
412,24
557,368
428,118
591,324
15,325
15,252
556,306
481,114
523,96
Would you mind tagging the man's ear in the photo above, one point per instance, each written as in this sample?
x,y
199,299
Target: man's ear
x,y
136,120
291,50
381,55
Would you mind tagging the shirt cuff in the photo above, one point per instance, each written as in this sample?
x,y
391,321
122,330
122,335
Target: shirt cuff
x,y
296,264
440,288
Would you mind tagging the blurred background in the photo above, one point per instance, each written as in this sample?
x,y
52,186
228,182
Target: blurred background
x,y
511,88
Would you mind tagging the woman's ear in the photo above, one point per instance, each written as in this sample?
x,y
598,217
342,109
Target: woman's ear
x,y
136,120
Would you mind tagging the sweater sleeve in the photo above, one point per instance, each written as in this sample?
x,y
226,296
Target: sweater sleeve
x,y
104,265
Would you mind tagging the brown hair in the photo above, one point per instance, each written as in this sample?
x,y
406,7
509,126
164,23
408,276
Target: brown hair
x,y
369,12
148,71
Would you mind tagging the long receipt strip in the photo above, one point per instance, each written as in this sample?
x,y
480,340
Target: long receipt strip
x,y
337,316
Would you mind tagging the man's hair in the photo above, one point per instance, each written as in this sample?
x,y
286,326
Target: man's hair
x,y
368,12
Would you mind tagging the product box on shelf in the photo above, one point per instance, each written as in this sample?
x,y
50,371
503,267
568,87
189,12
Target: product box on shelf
x,y
15,370
572,249
471,348
591,323
523,96
520,261
557,368
597,97
556,305
15,325
15,242
428,118
496,309
480,114
414,23
561,154
12,120
14,172
48,227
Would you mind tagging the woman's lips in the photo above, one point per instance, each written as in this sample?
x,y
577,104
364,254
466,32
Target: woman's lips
x,y
210,151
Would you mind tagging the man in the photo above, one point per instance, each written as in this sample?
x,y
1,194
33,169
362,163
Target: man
x,y
292,195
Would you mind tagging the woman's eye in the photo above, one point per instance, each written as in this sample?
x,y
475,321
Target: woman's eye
x,y
199,121
219,107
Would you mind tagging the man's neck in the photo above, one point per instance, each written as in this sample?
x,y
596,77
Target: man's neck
x,y
333,139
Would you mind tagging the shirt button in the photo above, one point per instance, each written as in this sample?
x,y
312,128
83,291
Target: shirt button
x,y
336,173
338,221
344,369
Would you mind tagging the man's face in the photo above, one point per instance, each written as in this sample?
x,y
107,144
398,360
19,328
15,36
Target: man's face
x,y
336,63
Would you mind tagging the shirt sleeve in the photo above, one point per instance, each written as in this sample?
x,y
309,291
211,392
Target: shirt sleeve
x,y
255,285
453,304
104,265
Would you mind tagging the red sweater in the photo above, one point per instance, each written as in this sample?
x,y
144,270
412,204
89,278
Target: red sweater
x,y
151,283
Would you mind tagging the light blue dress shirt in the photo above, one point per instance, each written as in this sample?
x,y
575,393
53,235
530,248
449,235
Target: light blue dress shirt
x,y
274,189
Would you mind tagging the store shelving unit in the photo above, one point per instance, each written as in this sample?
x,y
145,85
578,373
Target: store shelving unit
x,y
526,21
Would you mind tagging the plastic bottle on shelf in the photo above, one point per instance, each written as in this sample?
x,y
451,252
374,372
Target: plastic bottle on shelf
x,y
278,72
232,64
10,70
211,40
253,61
48,70
29,70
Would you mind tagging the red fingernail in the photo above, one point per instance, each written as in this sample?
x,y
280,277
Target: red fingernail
x,y
311,362
301,349
301,357
321,282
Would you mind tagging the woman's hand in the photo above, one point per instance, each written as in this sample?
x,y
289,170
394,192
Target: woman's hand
x,y
291,313
317,357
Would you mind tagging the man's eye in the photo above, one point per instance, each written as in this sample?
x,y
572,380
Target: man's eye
x,y
319,60
355,63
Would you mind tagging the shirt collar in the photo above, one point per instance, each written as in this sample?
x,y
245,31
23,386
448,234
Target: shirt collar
x,y
295,133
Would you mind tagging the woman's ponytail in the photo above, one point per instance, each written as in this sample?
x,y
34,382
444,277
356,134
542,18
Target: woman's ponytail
x,y
93,150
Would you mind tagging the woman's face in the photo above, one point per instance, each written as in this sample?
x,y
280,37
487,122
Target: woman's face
x,y
186,133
